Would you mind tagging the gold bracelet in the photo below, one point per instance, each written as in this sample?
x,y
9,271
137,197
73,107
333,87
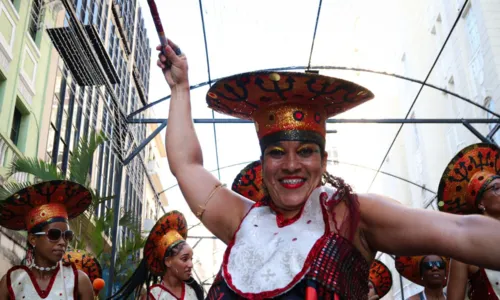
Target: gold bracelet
x,y
204,207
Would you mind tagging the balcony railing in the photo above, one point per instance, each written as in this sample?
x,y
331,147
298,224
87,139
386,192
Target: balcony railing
x,y
9,153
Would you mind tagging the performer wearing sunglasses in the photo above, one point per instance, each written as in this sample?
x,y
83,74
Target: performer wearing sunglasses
x,y
379,281
310,227
471,185
43,210
169,257
428,271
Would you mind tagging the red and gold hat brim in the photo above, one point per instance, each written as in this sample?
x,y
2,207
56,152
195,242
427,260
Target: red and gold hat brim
x,y
243,94
43,202
286,105
167,232
381,278
248,182
409,267
459,187
84,262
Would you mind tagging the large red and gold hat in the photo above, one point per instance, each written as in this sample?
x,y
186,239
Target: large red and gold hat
x,y
381,278
466,177
84,262
167,232
42,203
286,105
409,267
248,182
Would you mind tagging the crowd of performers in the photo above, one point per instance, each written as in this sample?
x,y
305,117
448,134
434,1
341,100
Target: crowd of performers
x,y
292,230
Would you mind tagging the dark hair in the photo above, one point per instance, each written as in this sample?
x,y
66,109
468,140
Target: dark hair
x,y
175,249
142,276
346,194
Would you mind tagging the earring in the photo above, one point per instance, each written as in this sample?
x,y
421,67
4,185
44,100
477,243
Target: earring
x,y
30,257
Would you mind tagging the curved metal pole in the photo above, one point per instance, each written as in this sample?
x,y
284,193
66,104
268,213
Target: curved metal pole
x,y
339,68
330,161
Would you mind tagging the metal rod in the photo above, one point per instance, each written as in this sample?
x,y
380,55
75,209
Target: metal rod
x,y
145,121
414,121
475,132
401,286
144,143
364,121
294,68
332,121
385,173
114,230
493,131
430,201
330,161
202,237
314,34
196,244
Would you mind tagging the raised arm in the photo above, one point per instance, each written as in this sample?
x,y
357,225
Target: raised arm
x,y
396,229
223,212
457,280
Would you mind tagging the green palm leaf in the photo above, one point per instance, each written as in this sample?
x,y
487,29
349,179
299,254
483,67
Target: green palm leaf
x,y
80,160
42,170
10,188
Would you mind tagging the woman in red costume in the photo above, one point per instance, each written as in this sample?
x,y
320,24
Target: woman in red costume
x,y
311,236
471,185
379,280
43,210
428,271
168,256
248,183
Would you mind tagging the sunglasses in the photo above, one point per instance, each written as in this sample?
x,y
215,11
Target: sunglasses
x,y
55,234
431,264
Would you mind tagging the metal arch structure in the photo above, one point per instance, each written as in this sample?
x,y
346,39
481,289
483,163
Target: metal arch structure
x,y
465,122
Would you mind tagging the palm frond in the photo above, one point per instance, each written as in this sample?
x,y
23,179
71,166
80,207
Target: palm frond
x,y
80,161
40,169
96,200
10,188
130,221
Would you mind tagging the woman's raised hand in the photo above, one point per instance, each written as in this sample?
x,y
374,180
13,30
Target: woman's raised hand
x,y
174,67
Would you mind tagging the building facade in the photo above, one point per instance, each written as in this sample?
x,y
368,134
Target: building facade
x,y
101,78
469,66
67,69
26,62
